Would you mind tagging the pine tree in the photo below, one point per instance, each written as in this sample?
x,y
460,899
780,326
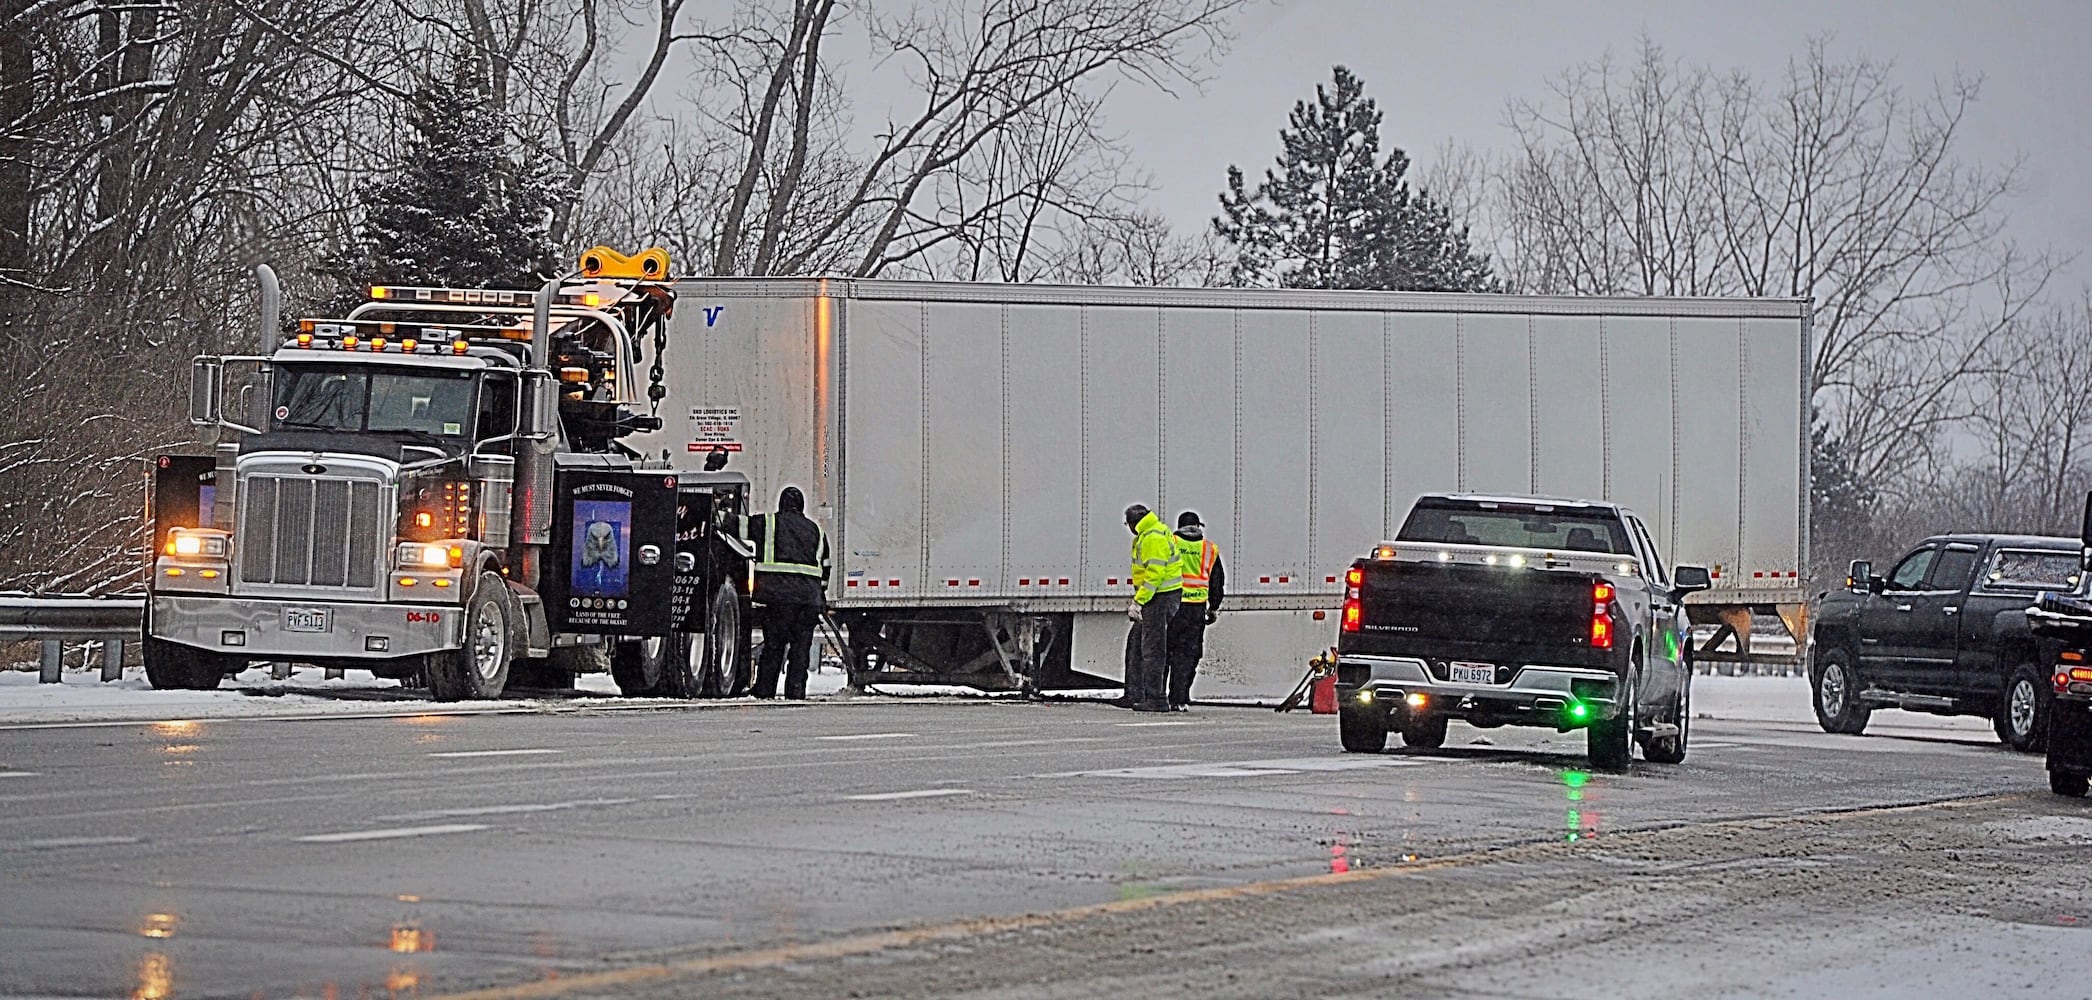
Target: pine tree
x,y
463,209
1334,213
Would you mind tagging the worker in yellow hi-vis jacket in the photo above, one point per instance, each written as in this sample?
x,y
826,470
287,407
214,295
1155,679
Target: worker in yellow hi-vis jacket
x,y
1158,588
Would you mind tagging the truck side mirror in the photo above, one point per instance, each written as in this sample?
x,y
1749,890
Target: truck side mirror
x,y
1859,578
540,412
1690,579
206,384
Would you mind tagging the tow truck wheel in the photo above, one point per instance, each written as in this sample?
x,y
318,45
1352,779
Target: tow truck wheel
x,y
724,659
171,666
479,671
1426,732
642,667
1363,731
2066,783
2021,719
1610,742
1837,694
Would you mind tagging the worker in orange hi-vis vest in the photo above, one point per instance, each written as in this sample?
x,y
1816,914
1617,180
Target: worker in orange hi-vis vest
x,y
1205,585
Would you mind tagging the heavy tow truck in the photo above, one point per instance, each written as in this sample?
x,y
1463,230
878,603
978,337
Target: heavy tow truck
x,y
2065,618
433,488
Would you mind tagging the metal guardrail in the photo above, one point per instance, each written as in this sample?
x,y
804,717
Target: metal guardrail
x,y
53,621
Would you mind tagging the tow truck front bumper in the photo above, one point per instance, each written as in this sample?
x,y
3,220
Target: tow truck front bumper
x,y
1537,694
302,630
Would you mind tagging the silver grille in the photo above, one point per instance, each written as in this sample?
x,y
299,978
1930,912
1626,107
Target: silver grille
x,y
308,531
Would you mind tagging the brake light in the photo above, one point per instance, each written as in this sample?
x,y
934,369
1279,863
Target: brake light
x,y
1353,577
1351,614
1601,616
2066,678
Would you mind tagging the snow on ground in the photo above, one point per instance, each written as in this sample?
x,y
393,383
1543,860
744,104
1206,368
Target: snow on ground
x,y
84,698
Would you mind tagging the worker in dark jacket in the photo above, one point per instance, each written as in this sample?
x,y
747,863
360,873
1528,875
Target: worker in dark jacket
x,y
1205,586
791,583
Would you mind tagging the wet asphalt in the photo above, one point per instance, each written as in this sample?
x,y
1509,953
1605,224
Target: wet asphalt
x,y
412,855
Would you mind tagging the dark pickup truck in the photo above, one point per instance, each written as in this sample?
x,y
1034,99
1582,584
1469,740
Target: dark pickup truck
x,y
1518,611
1944,632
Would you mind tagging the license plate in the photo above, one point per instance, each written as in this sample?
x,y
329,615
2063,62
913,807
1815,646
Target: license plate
x,y
308,620
1472,673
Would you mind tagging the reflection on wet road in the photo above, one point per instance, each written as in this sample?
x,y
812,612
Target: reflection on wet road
x,y
417,854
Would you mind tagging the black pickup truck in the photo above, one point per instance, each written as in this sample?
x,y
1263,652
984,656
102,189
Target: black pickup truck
x,y
1518,611
1944,632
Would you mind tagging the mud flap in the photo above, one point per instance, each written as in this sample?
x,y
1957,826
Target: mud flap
x,y
610,569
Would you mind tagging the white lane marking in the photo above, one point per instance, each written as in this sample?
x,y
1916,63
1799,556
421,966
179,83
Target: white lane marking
x,y
57,842
19,774
527,807
920,793
868,736
494,753
398,831
1245,768
1151,725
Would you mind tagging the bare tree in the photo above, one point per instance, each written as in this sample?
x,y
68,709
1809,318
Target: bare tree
x,y
1663,178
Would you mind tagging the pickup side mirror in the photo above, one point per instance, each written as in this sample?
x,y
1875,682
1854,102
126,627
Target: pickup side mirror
x,y
1689,579
1860,577
206,385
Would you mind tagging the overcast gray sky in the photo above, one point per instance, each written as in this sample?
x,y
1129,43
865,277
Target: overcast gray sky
x,y
1443,71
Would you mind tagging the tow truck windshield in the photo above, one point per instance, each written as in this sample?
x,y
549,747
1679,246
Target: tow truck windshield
x,y
374,400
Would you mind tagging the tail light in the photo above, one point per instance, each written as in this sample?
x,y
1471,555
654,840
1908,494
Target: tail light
x,y
1601,616
1351,614
2071,677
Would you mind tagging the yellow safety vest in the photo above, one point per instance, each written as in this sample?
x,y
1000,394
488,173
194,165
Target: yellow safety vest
x,y
1198,559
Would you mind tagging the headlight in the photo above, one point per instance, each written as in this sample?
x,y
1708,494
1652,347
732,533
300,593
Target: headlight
x,y
207,546
438,556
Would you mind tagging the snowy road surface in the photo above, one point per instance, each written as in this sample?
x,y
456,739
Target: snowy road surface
x,y
889,847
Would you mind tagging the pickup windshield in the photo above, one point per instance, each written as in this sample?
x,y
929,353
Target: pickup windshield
x,y
361,399
1527,526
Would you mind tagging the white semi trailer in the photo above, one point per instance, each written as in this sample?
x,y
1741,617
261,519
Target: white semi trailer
x,y
970,447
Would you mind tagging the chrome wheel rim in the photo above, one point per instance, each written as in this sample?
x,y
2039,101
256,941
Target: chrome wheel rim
x,y
726,634
487,641
1831,691
2022,707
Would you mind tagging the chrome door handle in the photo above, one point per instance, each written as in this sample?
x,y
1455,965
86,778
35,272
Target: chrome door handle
x,y
1903,607
1950,611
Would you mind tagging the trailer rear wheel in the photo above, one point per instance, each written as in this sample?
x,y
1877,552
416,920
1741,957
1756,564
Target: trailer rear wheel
x,y
171,666
478,671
